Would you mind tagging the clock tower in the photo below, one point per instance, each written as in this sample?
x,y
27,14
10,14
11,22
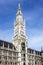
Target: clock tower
x,y
20,39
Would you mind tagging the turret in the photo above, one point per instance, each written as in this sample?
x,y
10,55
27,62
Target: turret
x,y
19,15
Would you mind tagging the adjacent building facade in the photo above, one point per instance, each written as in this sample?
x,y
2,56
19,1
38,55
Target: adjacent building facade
x,y
17,52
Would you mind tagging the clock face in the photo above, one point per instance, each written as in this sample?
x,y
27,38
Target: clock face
x,y
23,46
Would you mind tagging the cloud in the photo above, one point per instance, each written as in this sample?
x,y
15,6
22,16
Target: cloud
x,y
35,39
6,35
34,18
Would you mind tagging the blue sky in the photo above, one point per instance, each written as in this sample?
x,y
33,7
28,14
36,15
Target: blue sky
x,y
33,15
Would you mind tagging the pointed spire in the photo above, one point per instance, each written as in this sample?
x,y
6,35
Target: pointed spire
x,y
19,6
19,10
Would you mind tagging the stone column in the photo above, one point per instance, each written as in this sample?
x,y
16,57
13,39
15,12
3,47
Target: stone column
x,y
19,55
34,57
26,59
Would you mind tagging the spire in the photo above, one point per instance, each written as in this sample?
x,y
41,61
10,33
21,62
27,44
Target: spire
x,y
19,10
19,6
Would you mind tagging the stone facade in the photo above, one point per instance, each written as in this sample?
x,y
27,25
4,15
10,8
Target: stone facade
x,y
17,53
10,56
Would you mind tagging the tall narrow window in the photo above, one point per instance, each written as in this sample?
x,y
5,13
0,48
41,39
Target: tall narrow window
x,y
0,62
23,46
23,63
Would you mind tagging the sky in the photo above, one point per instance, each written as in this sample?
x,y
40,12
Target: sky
x,y
32,13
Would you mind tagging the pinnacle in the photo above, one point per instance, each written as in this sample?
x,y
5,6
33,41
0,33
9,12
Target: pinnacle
x,y
19,10
19,6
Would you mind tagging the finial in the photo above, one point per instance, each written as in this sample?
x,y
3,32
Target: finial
x,y
19,6
19,10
